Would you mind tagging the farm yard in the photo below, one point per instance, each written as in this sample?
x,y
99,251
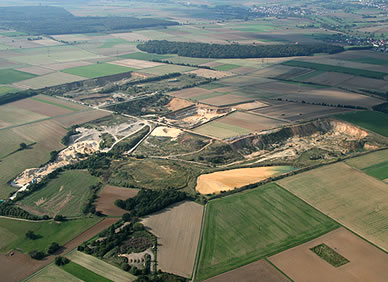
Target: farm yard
x,y
66,195
227,180
328,188
278,221
178,231
366,262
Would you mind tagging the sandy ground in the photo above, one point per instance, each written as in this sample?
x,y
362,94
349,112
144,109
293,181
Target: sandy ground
x,y
230,179
177,104
163,131
107,197
137,64
20,266
257,271
210,73
367,263
178,229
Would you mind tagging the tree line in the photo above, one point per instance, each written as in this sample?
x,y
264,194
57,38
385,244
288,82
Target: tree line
x,y
206,50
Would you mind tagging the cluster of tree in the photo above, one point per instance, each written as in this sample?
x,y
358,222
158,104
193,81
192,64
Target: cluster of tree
x,y
12,97
381,107
96,164
182,64
124,86
89,205
161,277
205,50
50,20
52,249
61,261
127,144
71,132
143,106
326,104
9,209
149,201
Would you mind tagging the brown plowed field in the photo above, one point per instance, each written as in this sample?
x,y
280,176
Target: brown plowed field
x,y
41,108
251,121
190,92
81,117
225,100
20,266
109,194
257,271
177,228
367,263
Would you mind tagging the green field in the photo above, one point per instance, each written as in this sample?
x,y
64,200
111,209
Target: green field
x,y
226,67
97,70
12,233
369,60
83,273
53,273
339,69
145,56
266,221
66,194
221,130
8,76
380,171
6,89
112,42
374,121
368,160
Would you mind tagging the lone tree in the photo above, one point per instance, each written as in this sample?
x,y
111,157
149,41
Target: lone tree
x,y
61,260
31,235
23,146
53,248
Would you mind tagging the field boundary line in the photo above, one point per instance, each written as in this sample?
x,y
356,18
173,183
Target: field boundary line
x,y
336,221
199,247
278,269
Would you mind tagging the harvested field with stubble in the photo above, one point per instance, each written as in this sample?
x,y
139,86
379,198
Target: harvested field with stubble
x,y
266,220
367,263
81,117
368,160
178,229
211,73
231,179
251,273
100,267
136,64
339,191
225,100
190,92
107,197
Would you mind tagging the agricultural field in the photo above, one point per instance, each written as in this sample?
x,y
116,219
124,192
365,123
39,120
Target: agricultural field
x,y
48,80
374,121
250,273
166,69
51,273
13,233
297,111
99,267
329,187
83,273
107,197
41,137
279,221
238,123
98,70
145,56
178,231
8,76
81,117
366,262
135,64
368,160
227,180
6,89
66,195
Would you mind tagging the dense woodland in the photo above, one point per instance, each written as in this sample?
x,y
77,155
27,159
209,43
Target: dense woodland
x,y
205,50
149,201
37,20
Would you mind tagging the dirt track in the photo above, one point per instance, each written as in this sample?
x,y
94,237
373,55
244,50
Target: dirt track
x,y
19,266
